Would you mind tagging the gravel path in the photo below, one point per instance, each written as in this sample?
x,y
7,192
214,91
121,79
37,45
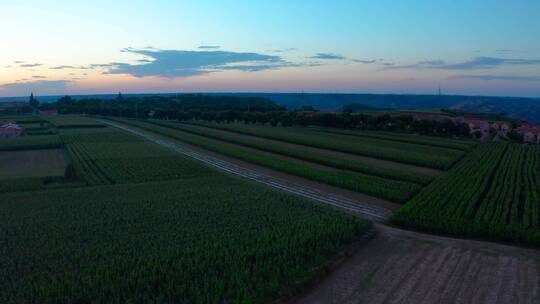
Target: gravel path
x,y
367,210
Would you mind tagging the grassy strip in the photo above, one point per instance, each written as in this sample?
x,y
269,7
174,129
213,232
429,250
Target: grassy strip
x,y
318,158
395,191
406,138
420,155
30,143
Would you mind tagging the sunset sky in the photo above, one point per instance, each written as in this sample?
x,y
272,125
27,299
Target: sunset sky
x,y
465,47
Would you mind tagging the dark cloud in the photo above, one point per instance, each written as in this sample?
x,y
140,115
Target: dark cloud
x,y
364,61
496,77
209,47
328,56
62,67
178,63
475,63
39,77
100,65
42,87
30,65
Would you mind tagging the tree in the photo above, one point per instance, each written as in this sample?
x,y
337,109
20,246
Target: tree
x,y
34,103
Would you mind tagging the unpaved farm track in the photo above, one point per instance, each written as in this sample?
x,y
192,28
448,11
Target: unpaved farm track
x,y
399,266
367,210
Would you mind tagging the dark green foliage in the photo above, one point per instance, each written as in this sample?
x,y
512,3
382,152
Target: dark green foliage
x,y
421,155
30,143
396,191
109,156
492,193
202,240
324,159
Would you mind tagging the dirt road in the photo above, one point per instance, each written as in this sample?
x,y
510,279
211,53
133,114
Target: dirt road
x,y
400,266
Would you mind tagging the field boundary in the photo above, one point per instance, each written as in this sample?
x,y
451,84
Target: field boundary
x,y
370,211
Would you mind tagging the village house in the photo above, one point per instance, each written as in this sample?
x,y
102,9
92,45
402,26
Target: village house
x,y
10,130
477,127
501,128
530,133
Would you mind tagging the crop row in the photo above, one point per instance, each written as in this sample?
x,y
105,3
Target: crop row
x,y
396,191
30,143
299,153
117,157
464,145
420,155
493,193
203,240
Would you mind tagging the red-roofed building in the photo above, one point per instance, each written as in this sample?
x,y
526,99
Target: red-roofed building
x,y
477,126
10,130
529,132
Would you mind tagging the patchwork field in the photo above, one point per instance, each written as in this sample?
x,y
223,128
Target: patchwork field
x,y
391,189
141,223
32,163
416,154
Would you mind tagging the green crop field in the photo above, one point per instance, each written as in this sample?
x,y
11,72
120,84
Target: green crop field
x,y
199,240
415,154
299,152
108,156
458,144
30,143
73,121
146,225
392,190
493,193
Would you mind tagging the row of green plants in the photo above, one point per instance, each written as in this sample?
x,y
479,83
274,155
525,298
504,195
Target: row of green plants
x,y
464,145
392,190
421,155
299,153
211,239
30,143
492,193
108,156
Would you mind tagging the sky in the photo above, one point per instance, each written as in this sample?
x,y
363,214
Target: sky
x,y
473,47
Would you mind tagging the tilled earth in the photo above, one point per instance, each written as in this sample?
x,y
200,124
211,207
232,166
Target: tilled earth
x,y
400,266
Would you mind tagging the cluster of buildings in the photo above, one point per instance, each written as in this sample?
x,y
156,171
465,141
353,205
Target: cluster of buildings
x,y
9,129
483,128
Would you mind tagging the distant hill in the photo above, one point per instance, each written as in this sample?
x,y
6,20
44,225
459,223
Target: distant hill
x,y
357,107
514,107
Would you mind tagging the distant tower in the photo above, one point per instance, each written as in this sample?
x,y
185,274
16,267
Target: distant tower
x,y
440,93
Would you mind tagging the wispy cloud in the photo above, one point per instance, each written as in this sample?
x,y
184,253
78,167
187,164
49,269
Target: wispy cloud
x,y
18,62
30,65
364,61
62,67
504,51
179,63
496,77
39,77
284,50
328,56
475,63
206,47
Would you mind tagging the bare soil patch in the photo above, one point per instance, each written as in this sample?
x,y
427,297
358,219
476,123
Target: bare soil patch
x,y
399,266
32,163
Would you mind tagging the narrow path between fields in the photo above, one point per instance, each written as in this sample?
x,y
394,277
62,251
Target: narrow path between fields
x,y
371,211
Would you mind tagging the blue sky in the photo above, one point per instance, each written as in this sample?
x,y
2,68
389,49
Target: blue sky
x,y
467,47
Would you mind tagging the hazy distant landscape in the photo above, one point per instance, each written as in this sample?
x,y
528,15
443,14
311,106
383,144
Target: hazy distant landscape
x,y
514,107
